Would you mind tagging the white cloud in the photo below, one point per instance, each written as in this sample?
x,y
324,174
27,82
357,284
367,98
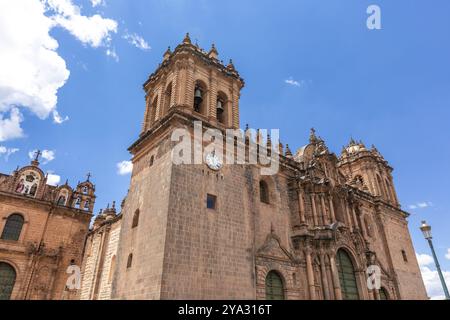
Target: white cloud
x,y
137,41
53,179
6,152
420,205
10,127
58,119
297,83
433,283
94,30
47,155
431,277
447,255
111,52
124,168
424,259
96,3
31,70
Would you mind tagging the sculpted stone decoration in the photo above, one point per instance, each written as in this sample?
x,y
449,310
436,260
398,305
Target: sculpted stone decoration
x,y
28,183
272,248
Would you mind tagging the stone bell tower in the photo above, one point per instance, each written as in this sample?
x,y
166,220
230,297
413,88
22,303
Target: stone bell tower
x,y
195,81
367,170
189,85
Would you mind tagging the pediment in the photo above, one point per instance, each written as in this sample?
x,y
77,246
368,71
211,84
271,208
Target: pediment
x,y
272,248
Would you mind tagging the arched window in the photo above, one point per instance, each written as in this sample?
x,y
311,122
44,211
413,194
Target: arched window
x,y
167,99
7,280
200,98
135,219
61,201
264,192
112,268
347,276
383,294
86,205
221,108
78,203
130,261
274,286
405,257
152,160
13,227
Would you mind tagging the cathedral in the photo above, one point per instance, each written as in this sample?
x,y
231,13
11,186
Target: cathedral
x,y
311,231
43,230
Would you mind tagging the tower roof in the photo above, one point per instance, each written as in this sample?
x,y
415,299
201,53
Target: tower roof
x,y
187,48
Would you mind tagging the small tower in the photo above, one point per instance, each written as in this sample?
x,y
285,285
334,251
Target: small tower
x,y
367,170
194,81
83,197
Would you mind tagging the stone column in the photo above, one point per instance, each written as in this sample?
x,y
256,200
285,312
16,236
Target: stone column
x,y
212,111
336,282
301,207
332,213
310,275
314,210
235,106
349,218
324,209
323,271
159,104
355,220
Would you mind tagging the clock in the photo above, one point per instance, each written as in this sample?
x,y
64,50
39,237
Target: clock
x,y
213,161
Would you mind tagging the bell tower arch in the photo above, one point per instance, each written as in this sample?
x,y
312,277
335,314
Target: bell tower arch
x,y
197,82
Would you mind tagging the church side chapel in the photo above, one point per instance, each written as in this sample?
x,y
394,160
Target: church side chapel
x,y
43,230
227,232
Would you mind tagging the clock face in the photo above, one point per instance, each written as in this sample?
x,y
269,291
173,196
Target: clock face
x,y
213,161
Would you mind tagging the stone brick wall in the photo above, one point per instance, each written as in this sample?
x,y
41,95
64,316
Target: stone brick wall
x,y
110,260
41,274
149,192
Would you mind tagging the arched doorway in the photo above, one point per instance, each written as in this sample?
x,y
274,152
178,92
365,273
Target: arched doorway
x,y
7,280
274,286
347,276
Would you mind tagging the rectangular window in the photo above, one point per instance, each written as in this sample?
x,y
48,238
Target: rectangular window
x,y
211,201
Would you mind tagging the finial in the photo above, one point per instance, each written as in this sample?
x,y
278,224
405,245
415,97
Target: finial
x,y
88,176
213,53
167,53
107,207
288,151
246,127
114,205
230,65
312,136
67,182
35,161
187,39
280,148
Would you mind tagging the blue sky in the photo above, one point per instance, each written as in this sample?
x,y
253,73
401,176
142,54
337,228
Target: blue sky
x,y
388,87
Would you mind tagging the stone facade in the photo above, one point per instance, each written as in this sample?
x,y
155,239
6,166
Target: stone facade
x,y
100,256
322,216
43,229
